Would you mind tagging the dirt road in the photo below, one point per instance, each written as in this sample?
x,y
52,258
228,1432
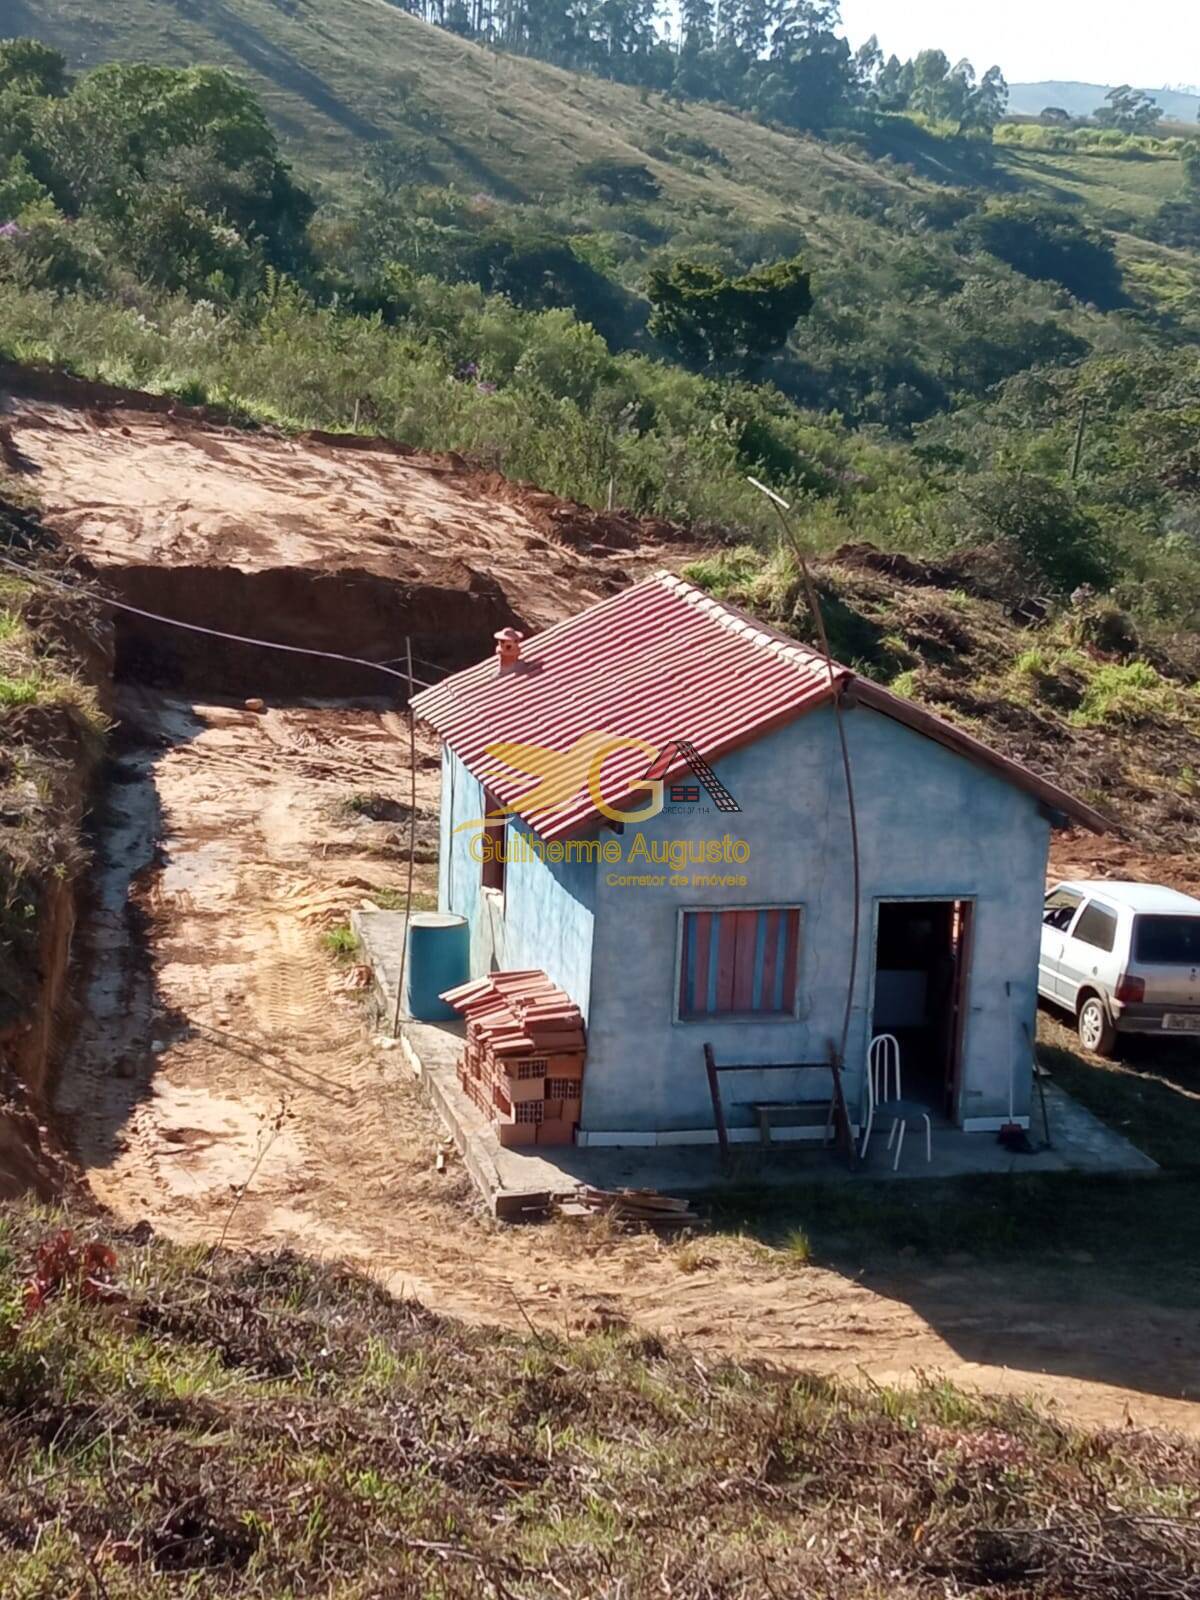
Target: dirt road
x,y
225,1049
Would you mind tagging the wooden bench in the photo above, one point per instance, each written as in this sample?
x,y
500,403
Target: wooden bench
x,y
830,1108
801,1112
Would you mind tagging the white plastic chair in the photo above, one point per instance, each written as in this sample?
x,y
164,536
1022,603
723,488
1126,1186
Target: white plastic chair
x,y
884,1095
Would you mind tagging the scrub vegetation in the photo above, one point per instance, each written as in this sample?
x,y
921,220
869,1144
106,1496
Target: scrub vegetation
x,y
51,728
1074,691
192,1423
966,354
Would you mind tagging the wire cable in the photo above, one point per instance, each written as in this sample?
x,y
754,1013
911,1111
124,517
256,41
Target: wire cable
x,y
215,633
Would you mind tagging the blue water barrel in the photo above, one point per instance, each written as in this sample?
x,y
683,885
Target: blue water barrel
x,y
439,958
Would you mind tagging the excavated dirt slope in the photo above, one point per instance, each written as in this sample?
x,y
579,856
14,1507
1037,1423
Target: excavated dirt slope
x,y
323,541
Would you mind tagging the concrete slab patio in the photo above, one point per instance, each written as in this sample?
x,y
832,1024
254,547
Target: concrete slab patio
x,y
517,1183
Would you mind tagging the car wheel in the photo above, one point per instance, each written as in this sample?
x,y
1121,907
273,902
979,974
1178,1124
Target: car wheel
x,y
1096,1032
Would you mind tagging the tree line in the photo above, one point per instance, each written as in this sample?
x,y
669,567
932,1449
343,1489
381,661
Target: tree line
x,y
782,60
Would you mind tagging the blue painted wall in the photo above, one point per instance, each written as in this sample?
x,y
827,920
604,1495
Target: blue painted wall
x,y
545,916
932,825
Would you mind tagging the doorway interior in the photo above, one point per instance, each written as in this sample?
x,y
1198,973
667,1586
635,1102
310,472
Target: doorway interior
x,y
922,973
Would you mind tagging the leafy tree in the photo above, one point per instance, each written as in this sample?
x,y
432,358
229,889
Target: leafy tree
x,y
930,70
952,94
988,103
175,245
1177,223
32,68
1042,522
1130,110
697,20
392,164
1055,117
197,132
868,65
19,189
1050,242
811,73
540,272
895,85
47,251
710,317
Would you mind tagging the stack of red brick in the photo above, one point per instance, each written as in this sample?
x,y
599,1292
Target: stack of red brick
x,y
523,1063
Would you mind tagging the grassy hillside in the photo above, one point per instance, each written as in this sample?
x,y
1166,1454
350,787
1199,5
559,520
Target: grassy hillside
x,y
983,367
340,76
337,75
1104,184
1074,695
180,1424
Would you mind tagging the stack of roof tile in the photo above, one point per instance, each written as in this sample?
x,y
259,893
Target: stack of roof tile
x,y
524,1057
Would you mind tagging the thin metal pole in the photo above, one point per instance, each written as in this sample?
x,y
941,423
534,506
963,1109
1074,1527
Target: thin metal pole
x,y
412,838
814,606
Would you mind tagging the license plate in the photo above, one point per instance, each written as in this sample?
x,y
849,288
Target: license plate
x,y
1179,1022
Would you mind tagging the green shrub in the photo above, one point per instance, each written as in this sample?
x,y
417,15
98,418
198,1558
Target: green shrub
x,y
341,942
1049,242
1129,693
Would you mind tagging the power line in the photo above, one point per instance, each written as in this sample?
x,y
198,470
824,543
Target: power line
x,y
215,633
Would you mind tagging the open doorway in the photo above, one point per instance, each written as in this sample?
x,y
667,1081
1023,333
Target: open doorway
x,y
922,970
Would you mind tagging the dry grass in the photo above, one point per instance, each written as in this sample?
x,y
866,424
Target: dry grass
x,y
268,1427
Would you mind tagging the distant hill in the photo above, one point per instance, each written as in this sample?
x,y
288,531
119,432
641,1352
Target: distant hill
x,y
337,76
1081,99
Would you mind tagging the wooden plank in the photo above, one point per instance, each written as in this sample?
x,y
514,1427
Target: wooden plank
x,y
703,925
714,1089
745,940
792,919
726,951
773,1066
770,966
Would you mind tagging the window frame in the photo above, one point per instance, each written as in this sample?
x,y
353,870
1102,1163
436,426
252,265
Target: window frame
x,y
1106,910
681,1018
496,830
1080,901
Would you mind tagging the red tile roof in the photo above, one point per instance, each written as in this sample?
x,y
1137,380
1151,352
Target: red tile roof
x,y
658,662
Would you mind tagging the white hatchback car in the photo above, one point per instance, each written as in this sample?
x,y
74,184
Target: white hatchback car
x,y
1122,958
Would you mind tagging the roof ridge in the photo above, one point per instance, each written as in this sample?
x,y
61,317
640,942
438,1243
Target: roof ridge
x,y
753,631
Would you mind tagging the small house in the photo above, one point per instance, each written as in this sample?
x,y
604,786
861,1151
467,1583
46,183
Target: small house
x,y
648,802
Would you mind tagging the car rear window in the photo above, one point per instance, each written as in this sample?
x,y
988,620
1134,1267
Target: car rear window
x,y
1168,941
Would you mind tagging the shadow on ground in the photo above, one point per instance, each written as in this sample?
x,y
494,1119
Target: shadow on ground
x,y
1088,1276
